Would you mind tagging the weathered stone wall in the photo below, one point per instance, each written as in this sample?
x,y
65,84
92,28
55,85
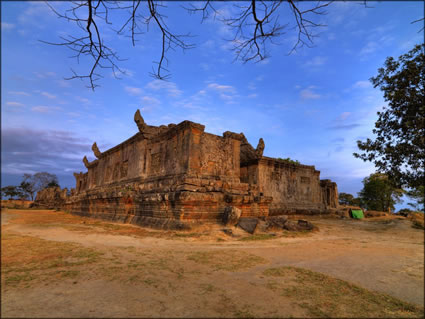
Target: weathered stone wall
x,y
51,197
169,176
295,188
178,172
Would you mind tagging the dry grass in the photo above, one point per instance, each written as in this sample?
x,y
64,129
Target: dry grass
x,y
417,220
26,258
219,278
229,260
50,218
325,296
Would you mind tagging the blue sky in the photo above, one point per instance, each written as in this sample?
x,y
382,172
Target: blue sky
x,y
311,105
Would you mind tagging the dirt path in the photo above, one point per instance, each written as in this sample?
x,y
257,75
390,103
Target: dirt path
x,y
384,256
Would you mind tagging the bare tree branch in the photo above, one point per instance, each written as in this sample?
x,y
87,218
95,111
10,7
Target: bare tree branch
x,y
419,20
255,26
92,45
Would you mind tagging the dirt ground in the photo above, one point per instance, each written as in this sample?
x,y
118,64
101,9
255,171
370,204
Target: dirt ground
x,y
59,265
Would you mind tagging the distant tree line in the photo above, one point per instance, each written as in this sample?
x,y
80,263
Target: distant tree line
x,y
30,185
381,194
378,193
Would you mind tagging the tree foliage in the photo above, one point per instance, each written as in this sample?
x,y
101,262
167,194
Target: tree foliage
x,y
399,147
379,193
31,184
349,200
12,192
417,195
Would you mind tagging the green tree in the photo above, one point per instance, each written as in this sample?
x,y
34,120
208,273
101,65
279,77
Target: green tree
x,y
379,193
350,200
399,147
28,189
53,184
419,196
11,192
345,199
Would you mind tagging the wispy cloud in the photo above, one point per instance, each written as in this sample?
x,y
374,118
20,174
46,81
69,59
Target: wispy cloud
x,y
45,109
342,122
309,94
170,87
19,93
251,86
221,88
82,99
204,66
362,85
64,83
33,12
7,26
148,102
31,151
133,90
44,75
225,92
48,95
316,61
73,114
14,104
369,48
344,116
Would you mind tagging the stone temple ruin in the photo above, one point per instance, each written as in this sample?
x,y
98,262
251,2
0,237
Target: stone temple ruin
x,y
169,176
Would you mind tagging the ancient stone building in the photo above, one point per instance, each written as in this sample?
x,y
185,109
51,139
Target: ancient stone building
x,y
51,198
176,174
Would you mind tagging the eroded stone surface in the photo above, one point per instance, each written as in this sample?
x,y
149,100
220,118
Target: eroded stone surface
x,y
248,224
184,174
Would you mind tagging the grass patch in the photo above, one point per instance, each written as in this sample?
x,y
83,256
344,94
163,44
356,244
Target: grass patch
x,y
258,237
325,296
25,258
207,288
187,235
229,260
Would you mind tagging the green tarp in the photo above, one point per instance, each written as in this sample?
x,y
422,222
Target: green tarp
x,y
357,213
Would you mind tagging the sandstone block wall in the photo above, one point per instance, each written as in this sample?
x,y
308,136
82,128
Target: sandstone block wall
x,y
175,172
295,188
51,198
169,176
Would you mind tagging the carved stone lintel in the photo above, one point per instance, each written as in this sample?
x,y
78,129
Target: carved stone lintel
x,y
86,162
96,150
260,148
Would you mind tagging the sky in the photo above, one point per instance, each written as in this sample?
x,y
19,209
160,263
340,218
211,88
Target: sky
x,y
311,105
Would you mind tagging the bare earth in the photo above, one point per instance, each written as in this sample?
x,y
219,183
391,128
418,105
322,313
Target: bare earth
x,y
58,265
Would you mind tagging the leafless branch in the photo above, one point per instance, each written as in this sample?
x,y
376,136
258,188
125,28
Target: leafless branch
x,y
255,26
205,10
305,25
419,20
91,44
169,41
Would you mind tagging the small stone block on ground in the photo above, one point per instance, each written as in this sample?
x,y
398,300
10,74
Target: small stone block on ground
x,y
248,224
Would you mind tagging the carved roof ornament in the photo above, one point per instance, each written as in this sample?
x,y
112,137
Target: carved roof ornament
x,y
148,131
95,150
86,162
260,148
141,125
